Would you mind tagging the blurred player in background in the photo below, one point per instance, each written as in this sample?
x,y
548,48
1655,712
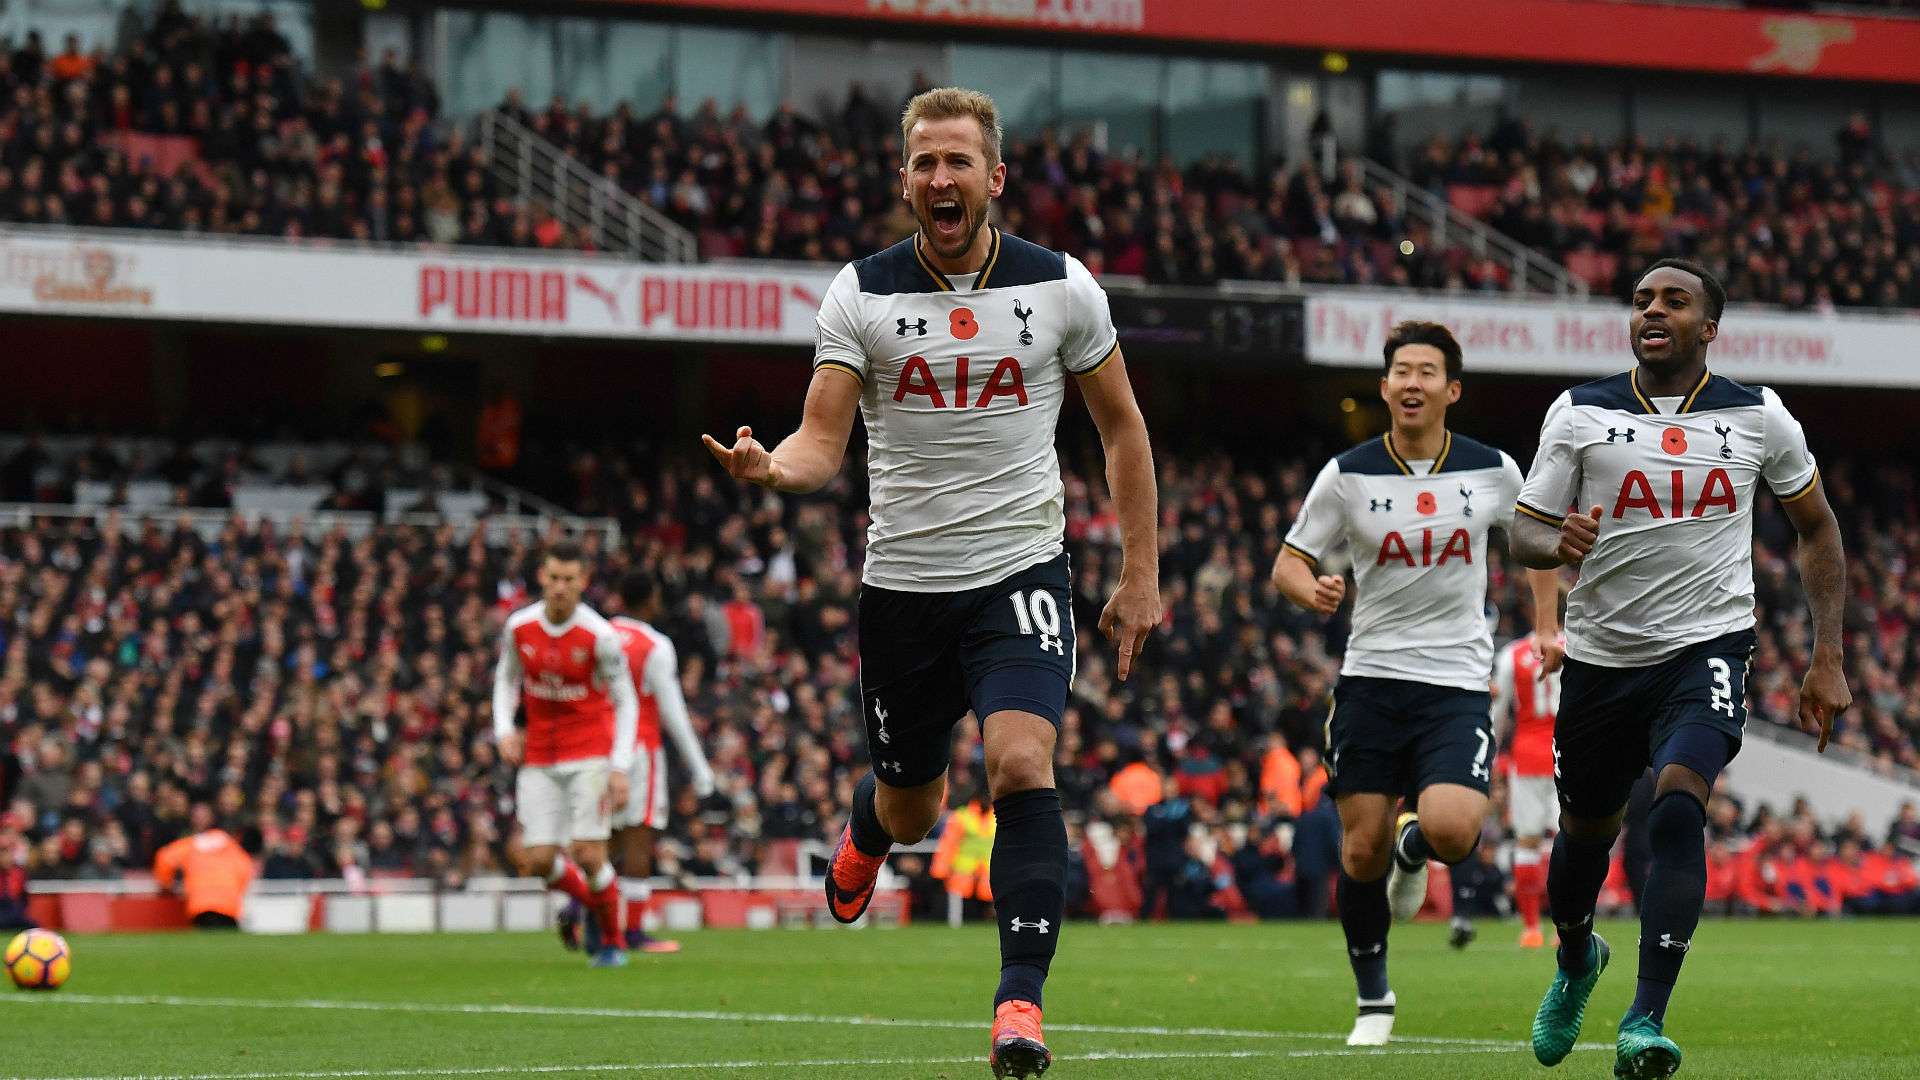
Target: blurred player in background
x,y
956,344
1667,459
570,667
656,676
1526,695
1410,714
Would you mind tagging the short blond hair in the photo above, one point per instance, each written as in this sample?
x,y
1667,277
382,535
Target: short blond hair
x,y
953,103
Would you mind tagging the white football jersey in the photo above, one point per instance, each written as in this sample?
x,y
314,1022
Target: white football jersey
x,y
1675,480
961,386
1417,535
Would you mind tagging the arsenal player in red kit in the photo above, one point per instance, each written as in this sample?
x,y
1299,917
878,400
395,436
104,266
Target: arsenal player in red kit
x,y
569,666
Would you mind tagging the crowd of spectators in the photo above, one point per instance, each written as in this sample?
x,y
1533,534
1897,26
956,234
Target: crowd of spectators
x,y
1779,225
328,694
94,139
368,158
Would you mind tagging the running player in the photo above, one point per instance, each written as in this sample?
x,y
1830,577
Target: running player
x,y
656,675
1667,458
1410,714
1526,692
576,751
956,345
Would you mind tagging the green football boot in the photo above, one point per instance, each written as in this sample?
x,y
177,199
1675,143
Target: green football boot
x,y
1641,1052
1556,1027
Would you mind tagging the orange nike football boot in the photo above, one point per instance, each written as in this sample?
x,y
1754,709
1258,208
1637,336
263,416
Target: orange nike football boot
x,y
851,876
1019,1049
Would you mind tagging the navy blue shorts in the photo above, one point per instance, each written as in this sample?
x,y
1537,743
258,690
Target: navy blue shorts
x,y
927,659
1689,709
1395,737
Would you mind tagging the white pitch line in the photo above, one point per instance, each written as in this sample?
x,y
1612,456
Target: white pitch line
x,y
724,1017
809,1063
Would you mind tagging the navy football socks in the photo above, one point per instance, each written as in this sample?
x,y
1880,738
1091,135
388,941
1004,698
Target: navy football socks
x,y
1575,873
1670,904
869,835
1365,917
1029,878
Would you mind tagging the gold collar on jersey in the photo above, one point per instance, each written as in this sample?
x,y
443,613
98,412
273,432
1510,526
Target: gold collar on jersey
x,y
1633,377
940,279
1445,449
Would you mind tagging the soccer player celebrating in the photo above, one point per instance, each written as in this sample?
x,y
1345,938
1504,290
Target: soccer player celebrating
x,y
1410,714
574,756
1646,480
1526,691
956,345
656,675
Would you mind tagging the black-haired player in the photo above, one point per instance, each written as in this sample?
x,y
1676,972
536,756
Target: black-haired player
x,y
1410,715
1646,480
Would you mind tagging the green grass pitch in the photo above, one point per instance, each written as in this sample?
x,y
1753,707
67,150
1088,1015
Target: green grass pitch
x,y
1758,1000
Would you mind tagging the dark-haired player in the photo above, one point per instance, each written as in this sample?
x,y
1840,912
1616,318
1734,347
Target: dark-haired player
x,y
564,661
1410,715
956,345
663,708
1646,480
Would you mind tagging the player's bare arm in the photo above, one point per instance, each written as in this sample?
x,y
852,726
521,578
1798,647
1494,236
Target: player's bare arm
x,y
807,459
1545,587
1823,574
1134,609
1299,582
1538,545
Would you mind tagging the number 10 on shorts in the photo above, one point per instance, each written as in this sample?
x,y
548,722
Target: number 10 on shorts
x,y
1037,610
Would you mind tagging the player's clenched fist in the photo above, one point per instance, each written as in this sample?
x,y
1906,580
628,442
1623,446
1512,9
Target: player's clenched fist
x,y
510,748
1577,536
1328,591
746,460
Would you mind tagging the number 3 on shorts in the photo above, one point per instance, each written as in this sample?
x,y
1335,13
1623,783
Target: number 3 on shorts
x,y
1722,684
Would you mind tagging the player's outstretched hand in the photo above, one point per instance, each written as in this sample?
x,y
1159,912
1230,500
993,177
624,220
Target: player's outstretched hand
x,y
746,460
1550,652
1823,696
1129,617
1577,536
510,748
1328,591
615,798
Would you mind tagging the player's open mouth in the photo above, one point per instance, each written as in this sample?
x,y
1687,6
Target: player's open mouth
x,y
1654,337
947,215
1411,405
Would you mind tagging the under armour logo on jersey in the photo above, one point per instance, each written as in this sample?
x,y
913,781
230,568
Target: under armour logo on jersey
x,y
1467,494
1667,942
1616,435
1726,451
1377,505
918,326
1018,924
880,714
1055,642
893,767
1026,334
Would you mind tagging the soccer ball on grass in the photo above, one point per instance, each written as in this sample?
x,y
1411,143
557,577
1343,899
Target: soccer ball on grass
x,y
38,960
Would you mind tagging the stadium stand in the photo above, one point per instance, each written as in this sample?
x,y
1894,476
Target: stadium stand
x,y
1780,225
329,694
